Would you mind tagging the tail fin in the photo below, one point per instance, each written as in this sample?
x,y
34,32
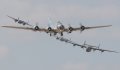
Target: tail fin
x,y
84,43
98,46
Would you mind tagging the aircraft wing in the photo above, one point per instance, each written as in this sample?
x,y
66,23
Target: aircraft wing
x,y
84,28
11,17
90,45
97,27
25,28
102,50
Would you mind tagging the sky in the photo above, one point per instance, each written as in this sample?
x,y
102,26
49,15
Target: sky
x,y
28,50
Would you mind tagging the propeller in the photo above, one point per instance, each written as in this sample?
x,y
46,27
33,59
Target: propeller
x,y
70,28
16,19
36,27
49,27
82,28
102,51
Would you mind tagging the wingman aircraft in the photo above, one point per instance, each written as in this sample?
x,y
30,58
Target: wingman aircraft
x,y
88,48
63,39
58,30
19,21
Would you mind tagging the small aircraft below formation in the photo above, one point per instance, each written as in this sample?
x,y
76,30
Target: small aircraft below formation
x,y
63,39
60,28
88,47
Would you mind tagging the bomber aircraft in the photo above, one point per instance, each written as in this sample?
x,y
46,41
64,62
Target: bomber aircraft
x,y
63,39
88,48
60,28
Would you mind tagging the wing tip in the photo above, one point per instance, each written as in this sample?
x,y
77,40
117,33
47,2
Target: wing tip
x,y
4,26
109,25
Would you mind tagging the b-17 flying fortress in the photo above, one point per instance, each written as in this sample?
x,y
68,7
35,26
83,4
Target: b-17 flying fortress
x,y
60,29
88,47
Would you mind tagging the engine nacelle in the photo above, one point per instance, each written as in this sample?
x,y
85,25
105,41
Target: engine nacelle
x,y
74,44
102,50
20,21
36,28
49,29
82,27
88,49
70,29
16,20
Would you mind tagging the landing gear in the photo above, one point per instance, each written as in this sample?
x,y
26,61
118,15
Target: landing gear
x,y
55,34
50,34
61,33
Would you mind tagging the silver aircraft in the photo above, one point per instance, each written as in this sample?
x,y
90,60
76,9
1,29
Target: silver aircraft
x,y
60,28
17,20
88,47
63,39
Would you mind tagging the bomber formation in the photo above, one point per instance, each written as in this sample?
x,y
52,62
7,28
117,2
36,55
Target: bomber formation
x,y
60,29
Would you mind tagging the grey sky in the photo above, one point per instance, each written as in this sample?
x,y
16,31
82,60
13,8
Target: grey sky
x,y
28,50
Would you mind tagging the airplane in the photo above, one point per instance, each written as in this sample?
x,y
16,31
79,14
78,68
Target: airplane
x,y
71,42
63,39
89,48
19,21
60,28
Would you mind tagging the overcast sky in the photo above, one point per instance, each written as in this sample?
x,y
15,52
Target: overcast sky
x,y
28,50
